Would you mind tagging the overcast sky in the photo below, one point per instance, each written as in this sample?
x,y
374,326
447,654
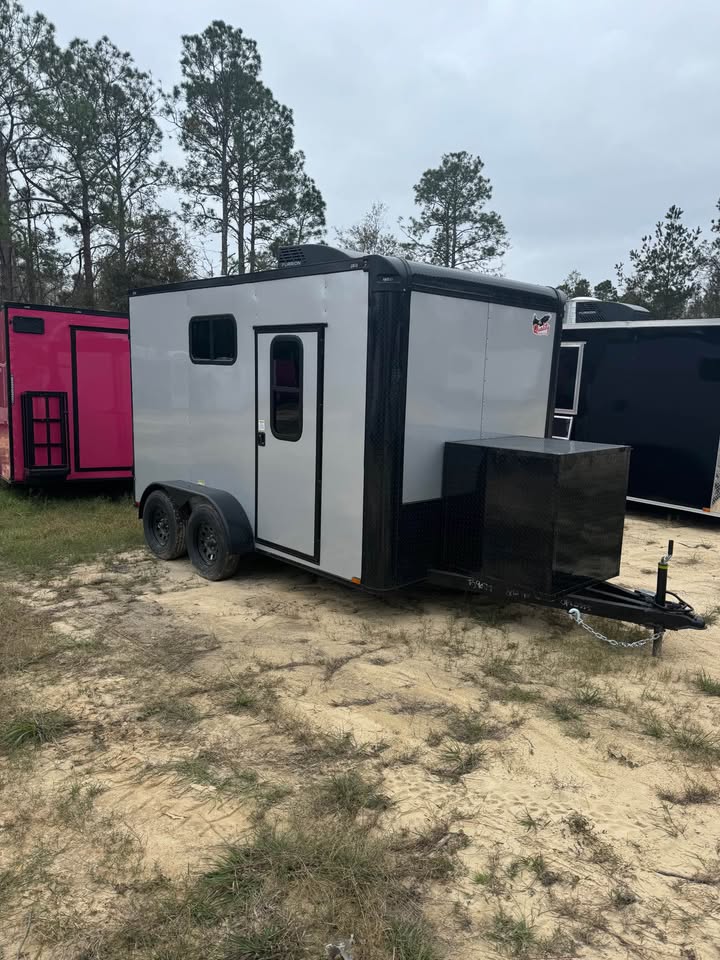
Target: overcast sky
x,y
592,116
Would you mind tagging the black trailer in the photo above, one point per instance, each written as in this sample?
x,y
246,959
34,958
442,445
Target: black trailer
x,y
653,385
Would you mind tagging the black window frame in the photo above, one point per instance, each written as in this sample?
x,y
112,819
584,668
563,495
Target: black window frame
x,y
210,317
287,338
579,346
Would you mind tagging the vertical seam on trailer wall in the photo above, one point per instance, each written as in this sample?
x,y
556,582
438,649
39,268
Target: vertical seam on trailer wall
x,y
485,360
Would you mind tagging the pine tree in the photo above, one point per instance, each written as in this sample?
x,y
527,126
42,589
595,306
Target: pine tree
x,y
665,269
453,228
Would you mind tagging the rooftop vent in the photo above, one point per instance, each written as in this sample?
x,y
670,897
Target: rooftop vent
x,y
311,254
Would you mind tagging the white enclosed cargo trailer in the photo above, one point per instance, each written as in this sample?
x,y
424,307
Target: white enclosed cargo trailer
x,y
339,411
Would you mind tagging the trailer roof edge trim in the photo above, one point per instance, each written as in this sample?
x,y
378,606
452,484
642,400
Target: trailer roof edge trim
x,y
642,324
421,277
83,311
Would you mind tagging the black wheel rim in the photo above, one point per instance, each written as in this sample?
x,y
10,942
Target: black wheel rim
x,y
160,525
207,543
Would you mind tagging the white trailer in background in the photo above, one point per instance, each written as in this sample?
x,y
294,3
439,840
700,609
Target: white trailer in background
x,y
307,413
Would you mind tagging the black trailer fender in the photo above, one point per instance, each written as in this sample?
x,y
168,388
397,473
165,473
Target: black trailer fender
x,y
237,526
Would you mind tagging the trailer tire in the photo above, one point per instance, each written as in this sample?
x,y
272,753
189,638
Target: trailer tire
x,y
208,545
164,526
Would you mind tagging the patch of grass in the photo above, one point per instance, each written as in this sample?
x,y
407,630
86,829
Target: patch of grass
x,y
564,711
431,852
457,760
39,532
696,742
17,875
515,694
501,668
653,726
320,879
589,695
212,768
693,792
531,822
171,709
471,726
33,729
711,616
26,635
76,804
514,935
411,940
705,684
348,794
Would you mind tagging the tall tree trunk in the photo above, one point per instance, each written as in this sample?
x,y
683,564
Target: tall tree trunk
x,y
225,215
252,233
30,256
121,224
7,249
86,230
241,217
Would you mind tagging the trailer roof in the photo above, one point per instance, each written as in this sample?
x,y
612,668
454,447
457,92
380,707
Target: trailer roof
x,y
316,259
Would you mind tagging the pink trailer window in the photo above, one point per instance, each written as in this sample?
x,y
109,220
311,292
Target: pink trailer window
x,y
101,402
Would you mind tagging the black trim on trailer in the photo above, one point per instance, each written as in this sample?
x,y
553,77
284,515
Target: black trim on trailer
x,y
259,277
74,328
10,391
319,329
554,369
81,311
386,382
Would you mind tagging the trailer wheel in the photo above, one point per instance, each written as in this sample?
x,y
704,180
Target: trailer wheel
x,y
164,526
208,545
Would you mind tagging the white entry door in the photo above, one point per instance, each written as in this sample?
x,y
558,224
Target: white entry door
x,y
289,380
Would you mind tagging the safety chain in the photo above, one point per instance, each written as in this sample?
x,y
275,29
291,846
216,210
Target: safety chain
x,y
575,614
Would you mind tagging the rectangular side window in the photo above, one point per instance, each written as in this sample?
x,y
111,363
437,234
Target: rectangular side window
x,y
286,363
213,339
568,384
28,324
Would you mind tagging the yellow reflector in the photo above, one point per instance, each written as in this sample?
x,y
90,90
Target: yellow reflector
x,y
355,579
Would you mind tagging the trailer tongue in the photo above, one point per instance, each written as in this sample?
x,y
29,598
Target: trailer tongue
x,y
599,599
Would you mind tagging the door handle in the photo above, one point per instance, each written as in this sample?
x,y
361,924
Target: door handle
x,y
261,438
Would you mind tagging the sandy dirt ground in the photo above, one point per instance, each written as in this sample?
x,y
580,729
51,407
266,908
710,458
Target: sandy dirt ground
x,y
583,780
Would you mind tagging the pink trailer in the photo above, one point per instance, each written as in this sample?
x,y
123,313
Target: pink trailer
x,y
65,399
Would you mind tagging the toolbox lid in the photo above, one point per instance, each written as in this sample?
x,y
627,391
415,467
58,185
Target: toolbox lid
x,y
543,446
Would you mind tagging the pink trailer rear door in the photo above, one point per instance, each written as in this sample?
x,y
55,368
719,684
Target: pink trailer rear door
x,y
101,399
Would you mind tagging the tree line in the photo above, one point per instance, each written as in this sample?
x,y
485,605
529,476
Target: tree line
x,y
675,272
84,186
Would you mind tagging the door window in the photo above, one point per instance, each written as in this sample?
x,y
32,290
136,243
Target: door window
x,y
286,367
568,385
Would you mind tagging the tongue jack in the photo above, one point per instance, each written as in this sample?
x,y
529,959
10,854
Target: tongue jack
x,y
661,593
